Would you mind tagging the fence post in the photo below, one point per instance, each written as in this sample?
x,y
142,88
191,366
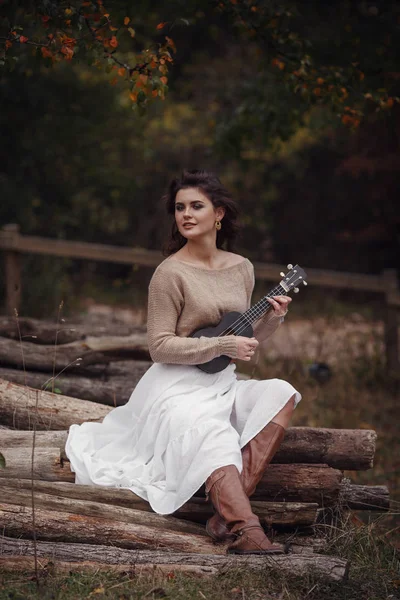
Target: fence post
x,y
10,234
391,323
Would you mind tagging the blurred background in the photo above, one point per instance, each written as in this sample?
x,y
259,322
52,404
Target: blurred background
x,y
295,107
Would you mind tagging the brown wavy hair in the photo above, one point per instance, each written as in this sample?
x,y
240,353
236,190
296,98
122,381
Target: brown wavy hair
x,y
210,185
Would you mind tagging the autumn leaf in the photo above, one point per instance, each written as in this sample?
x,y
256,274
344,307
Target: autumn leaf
x,y
23,39
161,25
46,52
121,72
126,21
144,78
8,44
164,80
113,42
68,52
45,18
98,590
133,96
170,43
154,93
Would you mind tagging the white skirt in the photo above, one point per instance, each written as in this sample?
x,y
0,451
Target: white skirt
x,y
179,425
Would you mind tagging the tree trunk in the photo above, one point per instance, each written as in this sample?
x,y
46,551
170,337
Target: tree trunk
x,y
331,568
349,449
288,483
290,514
364,497
55,411
47,465
97,509
46,332
16,521
300,483
62,567
113,391
90,350
345,449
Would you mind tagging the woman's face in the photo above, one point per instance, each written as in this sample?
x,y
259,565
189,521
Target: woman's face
x,y
195,214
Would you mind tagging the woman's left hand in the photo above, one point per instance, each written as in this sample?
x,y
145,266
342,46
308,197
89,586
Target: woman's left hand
x,y
280,305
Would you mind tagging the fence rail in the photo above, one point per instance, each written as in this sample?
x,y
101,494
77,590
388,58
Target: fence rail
x,y
13,245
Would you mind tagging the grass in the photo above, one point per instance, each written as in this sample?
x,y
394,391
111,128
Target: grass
x,y
374,576
358,395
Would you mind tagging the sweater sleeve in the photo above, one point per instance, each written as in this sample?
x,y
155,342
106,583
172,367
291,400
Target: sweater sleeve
x,y
264,327
165,303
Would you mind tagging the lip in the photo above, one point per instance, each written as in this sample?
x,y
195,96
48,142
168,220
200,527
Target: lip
x,y
187,225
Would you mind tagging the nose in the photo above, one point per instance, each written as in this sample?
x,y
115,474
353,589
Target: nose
x,y
187,212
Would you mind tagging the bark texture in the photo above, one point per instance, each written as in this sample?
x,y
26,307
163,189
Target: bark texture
x,y
56,495
16,521
109,390
345,449
331,568
49,332
54,411
88,508
47,565
91,350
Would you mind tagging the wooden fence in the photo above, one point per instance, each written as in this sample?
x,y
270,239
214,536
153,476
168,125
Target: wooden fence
x,y
13,244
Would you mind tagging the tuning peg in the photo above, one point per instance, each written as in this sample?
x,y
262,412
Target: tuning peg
x,y
296,290
282,274
290,266
305,283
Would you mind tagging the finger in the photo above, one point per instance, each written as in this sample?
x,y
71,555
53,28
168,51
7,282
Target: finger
x,y
273,303
283,299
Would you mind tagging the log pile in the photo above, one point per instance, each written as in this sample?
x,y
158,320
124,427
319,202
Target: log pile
x,y
92,527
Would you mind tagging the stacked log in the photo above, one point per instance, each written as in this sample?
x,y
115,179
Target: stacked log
x,y
92,526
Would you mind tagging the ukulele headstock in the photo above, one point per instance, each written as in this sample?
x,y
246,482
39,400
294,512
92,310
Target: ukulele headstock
x,y
294,277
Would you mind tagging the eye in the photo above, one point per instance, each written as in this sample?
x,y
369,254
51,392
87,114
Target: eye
x,y
198,206
178,207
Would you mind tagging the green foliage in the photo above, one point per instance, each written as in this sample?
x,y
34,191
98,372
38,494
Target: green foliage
x,y
45,33
79,164
335,54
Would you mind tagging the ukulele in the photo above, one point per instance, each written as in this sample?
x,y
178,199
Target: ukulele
x,y
236,323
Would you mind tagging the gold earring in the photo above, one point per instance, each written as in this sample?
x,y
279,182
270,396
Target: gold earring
x,y
218,225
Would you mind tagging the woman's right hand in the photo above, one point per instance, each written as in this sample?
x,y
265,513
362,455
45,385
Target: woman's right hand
x,y
246,347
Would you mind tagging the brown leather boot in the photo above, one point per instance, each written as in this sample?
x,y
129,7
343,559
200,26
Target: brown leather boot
x,y
226,492
257,455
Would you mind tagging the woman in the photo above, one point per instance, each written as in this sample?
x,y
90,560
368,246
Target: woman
x,y
181,426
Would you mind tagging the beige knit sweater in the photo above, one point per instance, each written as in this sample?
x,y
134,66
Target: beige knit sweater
x,y
184,297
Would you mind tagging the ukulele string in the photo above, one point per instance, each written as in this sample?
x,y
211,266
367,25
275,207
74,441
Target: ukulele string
x,y
253,312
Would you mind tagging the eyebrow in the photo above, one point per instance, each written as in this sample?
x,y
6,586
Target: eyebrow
x,y
191,202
